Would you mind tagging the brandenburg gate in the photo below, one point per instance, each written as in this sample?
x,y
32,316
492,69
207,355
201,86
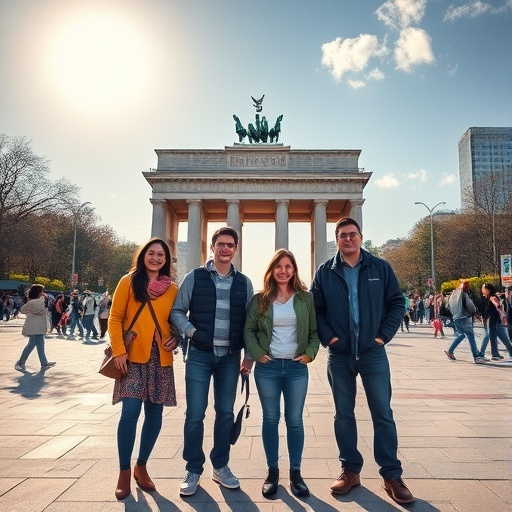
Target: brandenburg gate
x,y
265,182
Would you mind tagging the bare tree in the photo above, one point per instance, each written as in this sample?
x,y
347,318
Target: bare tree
x,y
26,190
489,202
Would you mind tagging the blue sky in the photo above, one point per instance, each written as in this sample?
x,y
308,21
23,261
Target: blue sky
x,y
98,85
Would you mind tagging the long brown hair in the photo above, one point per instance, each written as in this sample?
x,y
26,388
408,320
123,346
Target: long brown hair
x,y
269,292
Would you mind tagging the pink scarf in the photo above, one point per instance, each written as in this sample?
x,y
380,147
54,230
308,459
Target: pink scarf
x,y
158,287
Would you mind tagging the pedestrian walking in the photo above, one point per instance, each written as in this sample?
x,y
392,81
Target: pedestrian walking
x,y
35,327
89,305
463,309
75,315
103,312
494,318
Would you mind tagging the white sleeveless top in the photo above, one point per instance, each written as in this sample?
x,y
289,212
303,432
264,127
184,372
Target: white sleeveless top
x,y
284,330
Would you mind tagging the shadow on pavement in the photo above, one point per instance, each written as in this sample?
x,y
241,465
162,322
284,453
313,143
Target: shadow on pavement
x,y
29,384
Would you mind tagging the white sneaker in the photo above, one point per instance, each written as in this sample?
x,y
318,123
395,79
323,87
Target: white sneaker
x,y
20,367
189,484
224,477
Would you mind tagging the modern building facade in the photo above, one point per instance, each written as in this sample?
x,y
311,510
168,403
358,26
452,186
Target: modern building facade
x,y
485,154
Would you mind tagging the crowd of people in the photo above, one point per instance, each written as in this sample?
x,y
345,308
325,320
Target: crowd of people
x,y
63,314
225,330
9,306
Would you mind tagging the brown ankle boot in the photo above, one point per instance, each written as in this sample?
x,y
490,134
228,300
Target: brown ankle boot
x,y
123,484
143,480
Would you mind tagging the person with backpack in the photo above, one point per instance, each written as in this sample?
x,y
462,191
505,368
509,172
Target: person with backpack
x,y
462,309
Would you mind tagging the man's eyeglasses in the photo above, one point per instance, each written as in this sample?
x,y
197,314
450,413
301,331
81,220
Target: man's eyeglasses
x,y
347,236
221,245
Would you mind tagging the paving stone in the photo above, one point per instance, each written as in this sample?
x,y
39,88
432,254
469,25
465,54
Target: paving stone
x,y
58,441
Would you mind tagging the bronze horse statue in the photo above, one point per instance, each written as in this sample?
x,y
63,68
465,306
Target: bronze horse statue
x,y
276,130
240,130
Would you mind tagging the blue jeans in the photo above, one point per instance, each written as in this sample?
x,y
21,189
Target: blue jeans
x,y
127,429
34,341
76,322
201,366
89,326
289,378
464,328
494,332
373,367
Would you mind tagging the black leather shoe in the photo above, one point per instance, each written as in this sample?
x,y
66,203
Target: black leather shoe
x,y
270,484
297,484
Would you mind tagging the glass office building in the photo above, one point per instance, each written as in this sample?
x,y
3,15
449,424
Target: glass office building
x,y
485,156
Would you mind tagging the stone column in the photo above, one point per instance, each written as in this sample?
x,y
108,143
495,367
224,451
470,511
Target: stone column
x,y
194,235
319,234
234,222
282,223
159,221
173,226
356,211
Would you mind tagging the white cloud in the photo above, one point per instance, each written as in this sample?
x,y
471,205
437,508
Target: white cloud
x,y
376,74
420,176
345,55
447,179
387,181
470,10
356,84
401,13
413,48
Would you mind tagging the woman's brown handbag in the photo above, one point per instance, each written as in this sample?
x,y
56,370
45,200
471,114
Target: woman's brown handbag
x,y
108,368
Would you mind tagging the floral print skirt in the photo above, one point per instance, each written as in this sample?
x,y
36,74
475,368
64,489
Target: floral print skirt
x,y
147,381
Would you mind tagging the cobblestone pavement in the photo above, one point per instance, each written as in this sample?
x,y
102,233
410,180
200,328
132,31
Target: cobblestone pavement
x,y
58,437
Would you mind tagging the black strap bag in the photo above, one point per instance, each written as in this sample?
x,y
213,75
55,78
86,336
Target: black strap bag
x,y
237,424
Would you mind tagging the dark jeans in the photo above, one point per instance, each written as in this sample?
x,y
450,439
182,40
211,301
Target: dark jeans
x,y
76,321
493,332
103,326
373,367
201,366
127,429
89,326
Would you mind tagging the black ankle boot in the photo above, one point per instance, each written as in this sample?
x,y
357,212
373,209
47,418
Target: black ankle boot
x,y
270,484
297,484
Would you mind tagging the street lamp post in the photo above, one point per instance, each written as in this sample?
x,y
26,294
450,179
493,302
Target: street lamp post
x,y
432,268
75,214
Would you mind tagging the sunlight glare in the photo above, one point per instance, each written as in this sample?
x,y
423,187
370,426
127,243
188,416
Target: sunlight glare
x,y
99,61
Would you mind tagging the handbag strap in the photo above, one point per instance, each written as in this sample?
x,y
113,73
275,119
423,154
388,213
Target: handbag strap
x,y
136,316
155,320
245,382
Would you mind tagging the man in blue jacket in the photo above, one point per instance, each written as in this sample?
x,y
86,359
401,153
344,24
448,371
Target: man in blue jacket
x,y
359,307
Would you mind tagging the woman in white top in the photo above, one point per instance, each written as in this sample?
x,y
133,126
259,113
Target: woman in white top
x,y
280,333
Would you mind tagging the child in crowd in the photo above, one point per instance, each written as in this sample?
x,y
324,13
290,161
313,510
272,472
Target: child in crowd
x,y
437,324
